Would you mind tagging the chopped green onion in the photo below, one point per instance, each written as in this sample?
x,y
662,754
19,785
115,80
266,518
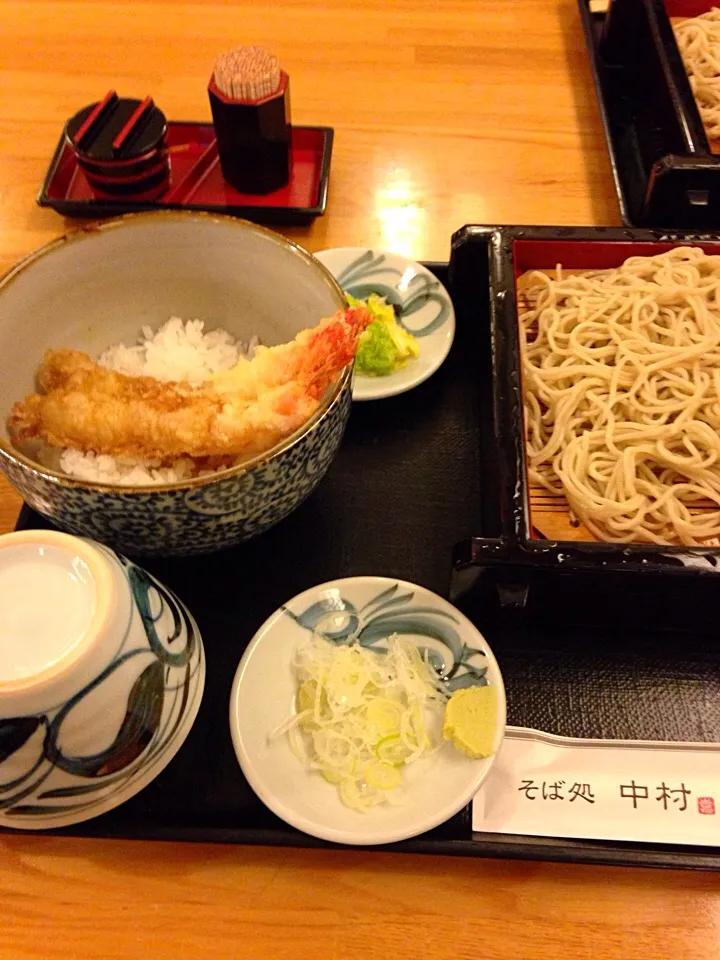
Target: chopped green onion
x,y
362,716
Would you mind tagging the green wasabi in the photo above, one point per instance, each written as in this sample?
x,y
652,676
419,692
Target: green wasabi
x,y
384,346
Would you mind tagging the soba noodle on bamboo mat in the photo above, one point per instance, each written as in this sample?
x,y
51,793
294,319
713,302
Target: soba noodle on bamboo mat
x,y
698,40
621,386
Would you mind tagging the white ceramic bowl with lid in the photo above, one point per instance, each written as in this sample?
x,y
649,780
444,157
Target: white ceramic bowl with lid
x,y
102,672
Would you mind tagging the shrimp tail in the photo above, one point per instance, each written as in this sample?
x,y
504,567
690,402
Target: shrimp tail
x,y
330,348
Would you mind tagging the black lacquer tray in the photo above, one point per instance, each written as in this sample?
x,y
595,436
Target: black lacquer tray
x,y
664,167
416,475
627,572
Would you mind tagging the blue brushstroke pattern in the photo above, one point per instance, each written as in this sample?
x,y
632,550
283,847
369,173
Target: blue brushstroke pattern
x,y
388,613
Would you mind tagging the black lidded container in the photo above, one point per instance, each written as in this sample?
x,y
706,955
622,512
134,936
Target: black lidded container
x,y
253,138
121,146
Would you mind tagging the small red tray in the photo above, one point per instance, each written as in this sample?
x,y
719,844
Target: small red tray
x,y
196,181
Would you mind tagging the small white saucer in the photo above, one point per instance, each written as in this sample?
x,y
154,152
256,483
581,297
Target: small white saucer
x,y
422,306
263,696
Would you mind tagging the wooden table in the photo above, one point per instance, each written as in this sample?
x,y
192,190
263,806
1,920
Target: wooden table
x,y
446,112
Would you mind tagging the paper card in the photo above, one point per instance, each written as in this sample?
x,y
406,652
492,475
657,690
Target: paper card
x,y
547,786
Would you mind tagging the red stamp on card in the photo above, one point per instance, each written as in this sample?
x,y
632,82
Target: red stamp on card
x,y
706,805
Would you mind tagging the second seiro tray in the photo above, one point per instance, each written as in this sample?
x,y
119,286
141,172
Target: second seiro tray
x,y
666,170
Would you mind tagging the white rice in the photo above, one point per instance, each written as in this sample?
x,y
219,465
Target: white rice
x,y
102,468
177,351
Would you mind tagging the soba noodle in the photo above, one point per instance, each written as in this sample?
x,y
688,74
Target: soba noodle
x,y
621,378
699,43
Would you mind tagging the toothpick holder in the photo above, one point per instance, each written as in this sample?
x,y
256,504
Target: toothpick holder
x,y
253,138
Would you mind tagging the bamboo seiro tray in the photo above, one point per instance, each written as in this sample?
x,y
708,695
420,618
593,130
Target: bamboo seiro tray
x,y
536,527
666,171
694,10
550,515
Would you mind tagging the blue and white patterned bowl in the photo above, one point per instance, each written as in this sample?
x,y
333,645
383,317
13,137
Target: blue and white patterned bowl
x,y
99,286
102,672
422,306
369,609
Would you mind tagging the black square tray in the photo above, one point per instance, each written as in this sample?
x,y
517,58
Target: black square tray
x,y
415,475
665,174
630,573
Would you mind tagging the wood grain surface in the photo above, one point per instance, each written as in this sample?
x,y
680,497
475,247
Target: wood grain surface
x,y
446,112
117,899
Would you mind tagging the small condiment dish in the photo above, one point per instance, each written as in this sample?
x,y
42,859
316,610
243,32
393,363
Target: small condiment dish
x,y
422,307
263,696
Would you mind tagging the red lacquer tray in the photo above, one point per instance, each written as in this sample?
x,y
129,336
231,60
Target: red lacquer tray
x,y
196,182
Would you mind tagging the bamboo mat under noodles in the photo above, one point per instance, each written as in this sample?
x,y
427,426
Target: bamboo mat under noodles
x,y
550,516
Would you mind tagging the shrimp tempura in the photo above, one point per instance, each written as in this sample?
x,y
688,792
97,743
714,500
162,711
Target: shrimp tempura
x,y
241,412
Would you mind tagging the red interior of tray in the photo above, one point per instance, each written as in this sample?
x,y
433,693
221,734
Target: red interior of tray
x,y
688,8
588,254
585,255
196,178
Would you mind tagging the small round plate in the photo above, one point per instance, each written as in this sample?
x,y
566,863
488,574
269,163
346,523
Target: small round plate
x,y
263,696
422,306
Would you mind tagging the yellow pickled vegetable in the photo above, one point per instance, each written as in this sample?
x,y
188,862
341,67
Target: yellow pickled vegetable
x,y
471,721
